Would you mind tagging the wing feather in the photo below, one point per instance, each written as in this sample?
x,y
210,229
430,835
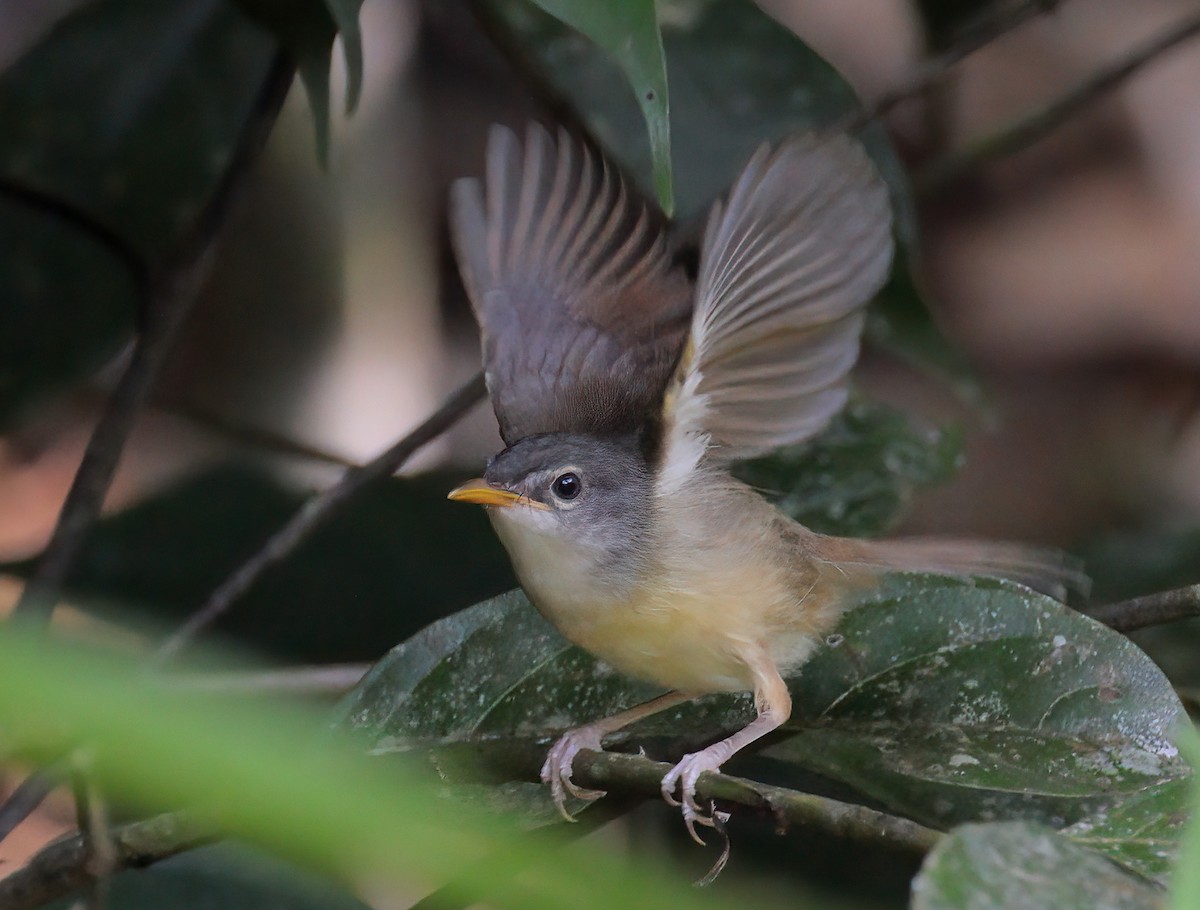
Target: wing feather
x,y
581,312
789,261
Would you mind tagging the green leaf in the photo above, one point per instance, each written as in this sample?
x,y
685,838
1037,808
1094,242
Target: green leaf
x,y
307,29
857,477
127,112
628,31
363,578
1185,883
945,701
1016,865
261,772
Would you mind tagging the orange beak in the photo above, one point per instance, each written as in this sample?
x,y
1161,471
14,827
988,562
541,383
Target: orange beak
x,y
481,492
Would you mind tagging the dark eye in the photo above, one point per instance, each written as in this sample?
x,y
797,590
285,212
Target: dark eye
x,y
567,486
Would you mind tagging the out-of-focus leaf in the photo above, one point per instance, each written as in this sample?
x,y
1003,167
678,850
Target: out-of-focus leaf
x,y
946,19
1185,882
261,772
858,475
219,877
944,700
628,31
307,28
1142,832
374,573
1017,865
127,111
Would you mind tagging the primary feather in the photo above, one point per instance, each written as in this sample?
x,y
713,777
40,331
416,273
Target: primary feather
x,y
582,314
788,264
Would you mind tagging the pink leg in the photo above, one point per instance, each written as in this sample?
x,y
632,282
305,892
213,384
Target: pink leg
x,y
557,770
774,707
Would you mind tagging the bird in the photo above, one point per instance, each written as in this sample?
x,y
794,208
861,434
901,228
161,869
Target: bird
x,y
625,388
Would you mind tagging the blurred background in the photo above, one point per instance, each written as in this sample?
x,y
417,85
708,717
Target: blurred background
x,y
1067,272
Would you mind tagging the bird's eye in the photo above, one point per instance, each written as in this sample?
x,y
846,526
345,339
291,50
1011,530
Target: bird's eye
x,y
567,486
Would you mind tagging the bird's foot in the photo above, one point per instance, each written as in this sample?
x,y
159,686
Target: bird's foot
x,y
557,770
683,777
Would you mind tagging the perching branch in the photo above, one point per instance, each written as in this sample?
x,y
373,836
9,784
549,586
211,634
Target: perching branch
x,y
1149,610
1031,127
317,509
63,867
171,288
635,775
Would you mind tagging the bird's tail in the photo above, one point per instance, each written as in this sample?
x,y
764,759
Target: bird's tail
x,y
1049,571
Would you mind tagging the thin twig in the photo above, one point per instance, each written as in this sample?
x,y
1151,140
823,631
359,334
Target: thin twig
x,y
1031,127
63,867
1149,610
172,289
27,796
997,22
316,510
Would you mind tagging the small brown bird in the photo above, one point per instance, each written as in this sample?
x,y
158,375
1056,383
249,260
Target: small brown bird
x,y
624,391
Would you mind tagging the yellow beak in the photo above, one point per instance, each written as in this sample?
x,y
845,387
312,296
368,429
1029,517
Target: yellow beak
x,y
483,493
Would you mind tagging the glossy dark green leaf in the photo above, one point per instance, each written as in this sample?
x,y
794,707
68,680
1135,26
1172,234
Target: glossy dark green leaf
x,y
217,878
1017,865
127,111
857,477
627,30
376,572
943,700
307,28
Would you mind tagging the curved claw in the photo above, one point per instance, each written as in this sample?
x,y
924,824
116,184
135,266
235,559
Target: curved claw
x,y
558,766
684,776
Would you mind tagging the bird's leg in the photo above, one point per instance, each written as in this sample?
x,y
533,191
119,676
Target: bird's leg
x,y
557,770
774,707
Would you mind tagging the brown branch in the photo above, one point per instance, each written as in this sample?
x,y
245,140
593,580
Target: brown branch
x,y
316,510
1028,129
1149,610
635,775
64,867
171,290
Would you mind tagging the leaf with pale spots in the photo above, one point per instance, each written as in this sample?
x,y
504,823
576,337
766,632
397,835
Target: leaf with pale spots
x,y
943,700
1015,865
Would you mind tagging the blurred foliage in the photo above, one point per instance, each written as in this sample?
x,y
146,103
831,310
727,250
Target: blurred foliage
x,y
857,476
1011,862
370,576
264,774
127,111
218,878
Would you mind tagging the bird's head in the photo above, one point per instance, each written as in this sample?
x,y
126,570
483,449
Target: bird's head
x,y
593,493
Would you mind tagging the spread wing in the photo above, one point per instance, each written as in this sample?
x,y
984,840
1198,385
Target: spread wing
x,y
581,313
788,264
